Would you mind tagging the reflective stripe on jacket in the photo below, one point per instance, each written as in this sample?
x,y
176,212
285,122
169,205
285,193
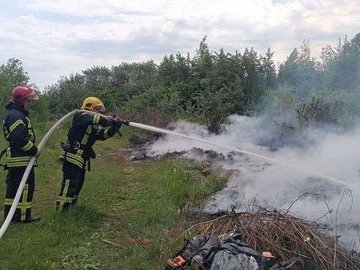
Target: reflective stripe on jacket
x,y
86,128
20,135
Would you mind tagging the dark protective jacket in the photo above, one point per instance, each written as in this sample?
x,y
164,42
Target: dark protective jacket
x,y
85,129
20,135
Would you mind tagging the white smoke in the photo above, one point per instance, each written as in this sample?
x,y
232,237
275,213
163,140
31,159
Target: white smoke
x,y
332,154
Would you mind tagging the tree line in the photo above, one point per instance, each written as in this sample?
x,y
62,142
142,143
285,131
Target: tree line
x,y
210,85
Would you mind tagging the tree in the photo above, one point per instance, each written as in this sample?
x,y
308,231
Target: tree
x,y
300,72
11,74
342,65
67,94
268,70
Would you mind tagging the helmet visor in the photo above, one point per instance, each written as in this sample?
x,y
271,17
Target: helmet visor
x,y
33,96
99,108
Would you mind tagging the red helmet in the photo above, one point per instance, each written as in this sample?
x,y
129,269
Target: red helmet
x,y
20,94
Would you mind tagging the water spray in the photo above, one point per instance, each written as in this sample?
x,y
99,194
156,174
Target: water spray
x,y
271,160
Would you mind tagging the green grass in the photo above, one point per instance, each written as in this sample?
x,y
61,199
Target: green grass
x,y
150,196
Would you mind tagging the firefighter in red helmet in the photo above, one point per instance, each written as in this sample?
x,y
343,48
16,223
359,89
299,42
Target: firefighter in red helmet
x,y
87,127
21,137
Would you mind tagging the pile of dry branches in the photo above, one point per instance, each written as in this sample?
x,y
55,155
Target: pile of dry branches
x,y
285,236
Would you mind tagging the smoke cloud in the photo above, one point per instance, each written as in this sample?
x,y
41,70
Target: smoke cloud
x,y
292,182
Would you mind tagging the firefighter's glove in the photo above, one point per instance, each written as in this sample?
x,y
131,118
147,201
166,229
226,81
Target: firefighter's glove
x,y
33,150
125,122
115,122
112,130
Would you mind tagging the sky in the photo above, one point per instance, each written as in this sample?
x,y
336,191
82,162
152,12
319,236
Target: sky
x,y
55,38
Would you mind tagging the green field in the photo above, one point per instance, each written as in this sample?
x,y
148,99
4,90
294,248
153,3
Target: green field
x,y
123,203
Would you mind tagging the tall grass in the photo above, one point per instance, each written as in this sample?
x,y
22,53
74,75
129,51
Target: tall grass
x,y
150,196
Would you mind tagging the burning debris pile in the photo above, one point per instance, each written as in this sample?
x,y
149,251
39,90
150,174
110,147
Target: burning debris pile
x,y
285,236
326,170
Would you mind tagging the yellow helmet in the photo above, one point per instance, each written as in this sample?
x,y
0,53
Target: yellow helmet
x,y
93,104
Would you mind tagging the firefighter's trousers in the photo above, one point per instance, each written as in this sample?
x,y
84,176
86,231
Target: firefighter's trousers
x,y
71,185
13,179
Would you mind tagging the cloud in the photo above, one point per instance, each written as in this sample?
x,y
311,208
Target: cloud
x,y
64,33
91,8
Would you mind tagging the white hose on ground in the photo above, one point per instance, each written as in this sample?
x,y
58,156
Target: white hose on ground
x,y
27,172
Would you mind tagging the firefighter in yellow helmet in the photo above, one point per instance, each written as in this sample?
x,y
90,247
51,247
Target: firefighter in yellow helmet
x,y
86,128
